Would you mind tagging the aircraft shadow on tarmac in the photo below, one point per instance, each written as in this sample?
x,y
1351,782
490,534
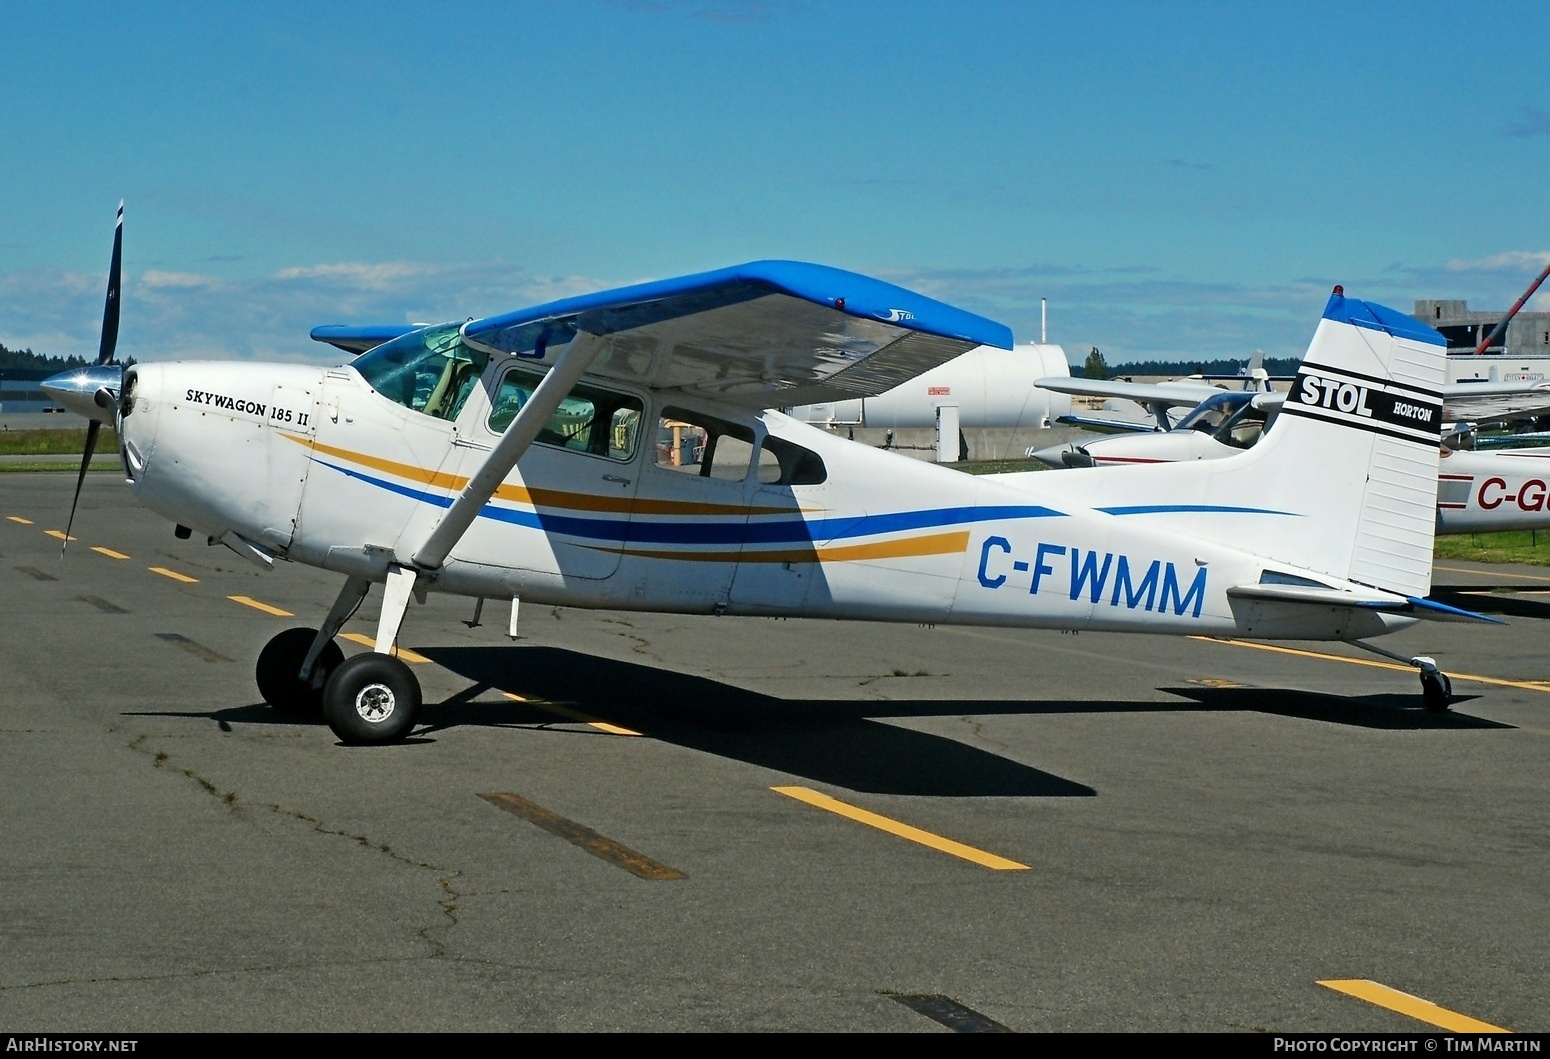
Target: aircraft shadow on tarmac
x,y
1394,712
1504,600
838,742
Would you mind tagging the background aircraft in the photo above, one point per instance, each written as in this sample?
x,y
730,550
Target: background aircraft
x,y
1479,491
990,387
518,457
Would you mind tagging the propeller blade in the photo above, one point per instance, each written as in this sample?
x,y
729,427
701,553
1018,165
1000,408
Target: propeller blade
x,y
110,309
91,444
99,397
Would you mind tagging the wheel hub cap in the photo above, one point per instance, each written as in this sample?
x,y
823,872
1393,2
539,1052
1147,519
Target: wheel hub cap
x,y
374,703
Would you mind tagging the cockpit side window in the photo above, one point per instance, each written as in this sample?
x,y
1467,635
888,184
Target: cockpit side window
x,y
589,419
430,370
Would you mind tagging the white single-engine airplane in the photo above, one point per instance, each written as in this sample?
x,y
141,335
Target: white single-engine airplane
x,y
545,456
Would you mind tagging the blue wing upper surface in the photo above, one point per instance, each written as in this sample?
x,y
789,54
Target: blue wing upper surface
x,y
761,334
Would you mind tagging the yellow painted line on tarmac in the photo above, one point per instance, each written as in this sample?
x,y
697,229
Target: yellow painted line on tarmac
x,y
1414,1006
1465,588
570,714
397,652
109,552
249,601
1530,685
59,535
173,574
18,518
893,827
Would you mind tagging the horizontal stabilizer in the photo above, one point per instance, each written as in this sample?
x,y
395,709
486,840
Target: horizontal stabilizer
x,y
1321,596
1431,610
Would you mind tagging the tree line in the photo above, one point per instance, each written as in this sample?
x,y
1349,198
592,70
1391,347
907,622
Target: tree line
x,y
26,358
1095,367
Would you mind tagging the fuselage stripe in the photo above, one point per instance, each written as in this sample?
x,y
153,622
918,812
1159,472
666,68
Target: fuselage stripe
x,y
788,528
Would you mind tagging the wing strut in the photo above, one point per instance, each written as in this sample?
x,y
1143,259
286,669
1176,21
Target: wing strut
x,y
568,369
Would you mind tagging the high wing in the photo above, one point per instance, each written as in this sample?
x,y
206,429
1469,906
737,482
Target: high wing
x,y
1485,401
1170,394
1471,401
359,339
761,335
1159,399
1101,425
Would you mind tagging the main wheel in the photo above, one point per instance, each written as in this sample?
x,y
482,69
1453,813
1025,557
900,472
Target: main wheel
x,y
280,662
1436,691
371,698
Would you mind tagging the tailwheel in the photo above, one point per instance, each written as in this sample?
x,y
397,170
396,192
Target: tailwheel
x,y
279,668
1436,690
371,698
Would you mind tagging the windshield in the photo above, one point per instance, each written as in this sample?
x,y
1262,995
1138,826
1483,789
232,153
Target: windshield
x,y
1214,411
430,370
1243,427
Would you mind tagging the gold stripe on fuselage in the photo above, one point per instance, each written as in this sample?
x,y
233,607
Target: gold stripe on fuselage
x,y
549,498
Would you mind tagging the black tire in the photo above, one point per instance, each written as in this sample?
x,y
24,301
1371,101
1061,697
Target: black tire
x,y
1436,691
280,661
370,699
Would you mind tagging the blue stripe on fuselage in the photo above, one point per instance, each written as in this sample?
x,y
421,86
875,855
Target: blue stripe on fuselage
x,y
783,529
1200,509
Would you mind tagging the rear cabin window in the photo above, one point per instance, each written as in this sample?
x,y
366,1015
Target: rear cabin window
x,y
782,462
696,443
589,419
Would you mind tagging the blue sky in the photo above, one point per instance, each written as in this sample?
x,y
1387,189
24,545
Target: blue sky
x,y
1183,181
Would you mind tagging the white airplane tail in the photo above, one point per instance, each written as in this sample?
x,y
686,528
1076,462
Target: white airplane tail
x,y
1353,454
1345,481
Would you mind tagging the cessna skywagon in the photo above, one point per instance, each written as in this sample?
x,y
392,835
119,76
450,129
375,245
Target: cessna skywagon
x,y
618,451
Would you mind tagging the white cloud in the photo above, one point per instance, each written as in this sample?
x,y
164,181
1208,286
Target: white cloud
x,y
171,315
1527,262
1134,313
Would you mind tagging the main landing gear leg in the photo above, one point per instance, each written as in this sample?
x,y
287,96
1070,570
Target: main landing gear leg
x,y
294,666
372,698
1436,688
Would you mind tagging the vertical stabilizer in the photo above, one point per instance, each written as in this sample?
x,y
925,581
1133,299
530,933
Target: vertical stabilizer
x,y
1344,483
1373,378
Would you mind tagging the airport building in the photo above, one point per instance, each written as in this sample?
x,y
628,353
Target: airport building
x,y
1522,352
21,391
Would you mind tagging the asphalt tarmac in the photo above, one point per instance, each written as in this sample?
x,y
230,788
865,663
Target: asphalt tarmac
x,y
624,822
